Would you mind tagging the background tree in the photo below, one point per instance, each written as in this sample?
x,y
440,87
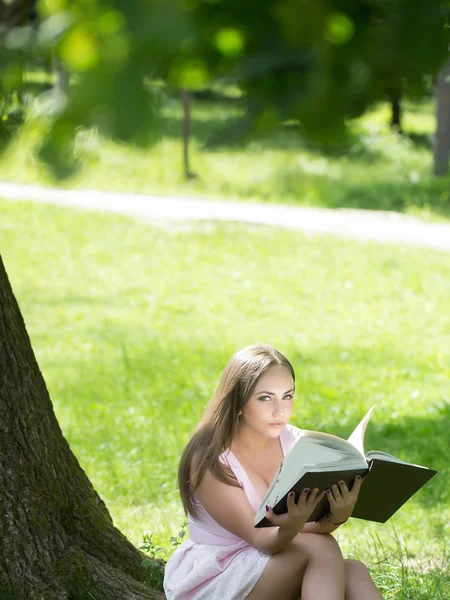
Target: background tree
x,y
319,63
186,103
326,61
441,152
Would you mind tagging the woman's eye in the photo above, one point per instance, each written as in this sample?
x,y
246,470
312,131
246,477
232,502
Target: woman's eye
x,y
264,398
288,397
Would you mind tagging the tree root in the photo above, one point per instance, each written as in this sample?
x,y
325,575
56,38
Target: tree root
x,y
88,575
40,590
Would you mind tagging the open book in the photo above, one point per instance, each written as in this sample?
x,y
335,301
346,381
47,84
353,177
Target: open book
x,y
317,460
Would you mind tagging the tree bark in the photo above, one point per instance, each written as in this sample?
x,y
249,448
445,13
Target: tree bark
x,y
441,148
57,538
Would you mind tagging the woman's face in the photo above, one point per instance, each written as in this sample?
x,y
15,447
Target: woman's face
x,y
270,406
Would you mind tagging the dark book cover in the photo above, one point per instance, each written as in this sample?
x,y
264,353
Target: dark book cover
x,y
386,487
311,480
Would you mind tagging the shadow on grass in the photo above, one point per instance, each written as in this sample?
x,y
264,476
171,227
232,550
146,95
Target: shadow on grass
x,y
421,140
218,126
394,196
383,195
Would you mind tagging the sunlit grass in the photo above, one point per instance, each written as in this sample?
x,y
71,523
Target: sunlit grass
x,y
132,325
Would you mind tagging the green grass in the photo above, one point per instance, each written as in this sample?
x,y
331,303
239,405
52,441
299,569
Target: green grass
x,y
375,169
132,325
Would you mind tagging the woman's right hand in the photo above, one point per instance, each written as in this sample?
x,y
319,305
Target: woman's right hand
x,y
298,512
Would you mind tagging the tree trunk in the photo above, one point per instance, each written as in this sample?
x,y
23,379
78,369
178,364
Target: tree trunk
x,y
442,136
396,117
60,74
185,100
57,538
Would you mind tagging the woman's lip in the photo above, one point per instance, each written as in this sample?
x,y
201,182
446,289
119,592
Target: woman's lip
x,y
276,424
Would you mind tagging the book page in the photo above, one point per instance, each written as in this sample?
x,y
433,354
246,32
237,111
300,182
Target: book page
x,y
357,437
378,454
328,440
314,451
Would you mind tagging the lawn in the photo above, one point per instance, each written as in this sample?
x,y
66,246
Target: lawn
x,y
132,325
376,168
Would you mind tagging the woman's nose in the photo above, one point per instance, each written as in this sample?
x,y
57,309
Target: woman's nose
x,y
278,408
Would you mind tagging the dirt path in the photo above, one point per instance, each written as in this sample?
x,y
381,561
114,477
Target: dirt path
x,y
352,224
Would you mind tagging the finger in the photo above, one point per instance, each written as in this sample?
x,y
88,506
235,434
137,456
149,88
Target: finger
x,y
319,497
331,500
313,496
277,519
336,492
269,513
343,487
303,496
357,483
290,500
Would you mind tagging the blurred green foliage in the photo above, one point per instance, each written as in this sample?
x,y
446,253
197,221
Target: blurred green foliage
x,y
316,61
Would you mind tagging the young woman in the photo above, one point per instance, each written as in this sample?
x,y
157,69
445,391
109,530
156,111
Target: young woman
x,y
225,472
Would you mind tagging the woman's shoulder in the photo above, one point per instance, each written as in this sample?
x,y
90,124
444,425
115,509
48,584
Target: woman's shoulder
x,y
228,459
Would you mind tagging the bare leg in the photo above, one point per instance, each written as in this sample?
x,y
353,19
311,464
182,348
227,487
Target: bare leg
x,y
358,582
282,576
311,565
325,573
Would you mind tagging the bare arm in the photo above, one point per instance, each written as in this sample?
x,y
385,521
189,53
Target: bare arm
x,y
229,506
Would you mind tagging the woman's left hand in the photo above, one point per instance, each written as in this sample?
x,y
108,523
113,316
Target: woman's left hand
x,y
342,500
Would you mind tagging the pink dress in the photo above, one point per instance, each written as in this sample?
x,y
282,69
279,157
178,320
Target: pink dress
x,y
214,563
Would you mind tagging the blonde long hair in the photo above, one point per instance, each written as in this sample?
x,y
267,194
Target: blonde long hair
x,y
217,428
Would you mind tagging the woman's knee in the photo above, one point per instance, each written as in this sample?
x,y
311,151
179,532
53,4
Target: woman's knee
x,y
355,569
322,546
